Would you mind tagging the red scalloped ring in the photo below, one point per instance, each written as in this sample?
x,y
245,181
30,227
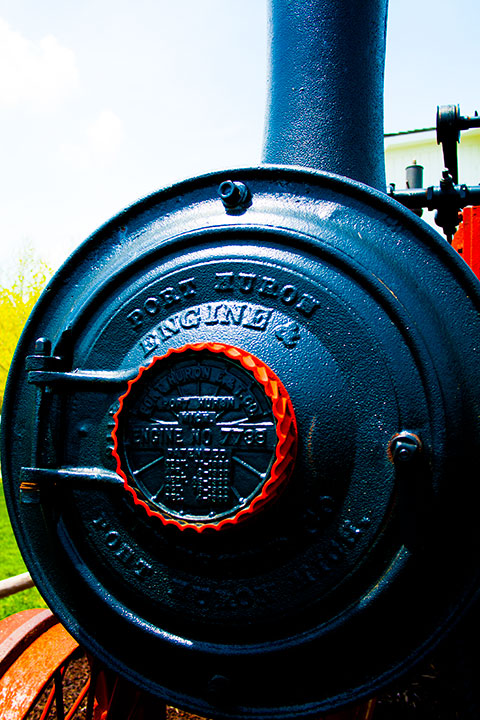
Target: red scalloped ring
x,y
286,431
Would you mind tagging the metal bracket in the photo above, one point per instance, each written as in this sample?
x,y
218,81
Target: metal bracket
x,y
449,125
33,478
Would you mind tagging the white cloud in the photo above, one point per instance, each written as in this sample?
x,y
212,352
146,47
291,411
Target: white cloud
x,y
105,134
37,74
102,140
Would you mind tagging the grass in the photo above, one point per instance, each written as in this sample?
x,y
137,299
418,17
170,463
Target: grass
x,y
11,563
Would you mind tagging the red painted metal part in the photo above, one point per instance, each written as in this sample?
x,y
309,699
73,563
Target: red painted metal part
x,y
120,700
35,647
467,238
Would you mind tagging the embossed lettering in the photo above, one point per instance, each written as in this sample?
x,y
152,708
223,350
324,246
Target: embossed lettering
x,y
122,550
152,436
169,327
141,568
169,296
149,401
288,294
151,305
307,305
211,317
254,317
166,297
197,418
112,538
247,282
232,314
125,553
187,287
135,318
202,437
187,403
268,287
194,372
150,343
288,334
190,318
258,318
224,281
241,436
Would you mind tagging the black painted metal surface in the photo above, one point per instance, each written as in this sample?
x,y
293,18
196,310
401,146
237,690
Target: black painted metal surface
x,y
371,549
326,87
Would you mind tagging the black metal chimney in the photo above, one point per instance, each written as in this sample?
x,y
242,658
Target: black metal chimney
x,y
326,87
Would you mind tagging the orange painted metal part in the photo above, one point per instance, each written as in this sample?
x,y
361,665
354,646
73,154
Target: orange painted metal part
x,y
53,695
35,646
467,238
36,649
19,630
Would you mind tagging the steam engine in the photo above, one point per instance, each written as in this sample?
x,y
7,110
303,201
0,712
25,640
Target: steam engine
x,y
241,422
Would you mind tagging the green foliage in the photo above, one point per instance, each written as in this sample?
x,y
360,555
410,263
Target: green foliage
x,y
18,293
11,563
17,298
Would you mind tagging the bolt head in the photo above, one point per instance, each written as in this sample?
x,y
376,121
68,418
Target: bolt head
x,y
404,447
43,346
234,195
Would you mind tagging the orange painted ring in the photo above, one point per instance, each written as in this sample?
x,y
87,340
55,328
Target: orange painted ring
x,y
285,429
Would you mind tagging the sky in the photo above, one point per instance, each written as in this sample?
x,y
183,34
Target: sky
x,y
105,101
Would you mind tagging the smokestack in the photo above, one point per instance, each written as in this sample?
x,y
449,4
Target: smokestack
x,y
326,87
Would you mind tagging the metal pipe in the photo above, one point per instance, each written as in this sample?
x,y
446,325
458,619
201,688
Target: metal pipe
x,y
326,87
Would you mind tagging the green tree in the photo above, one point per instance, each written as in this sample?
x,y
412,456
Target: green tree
x,y
18,295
